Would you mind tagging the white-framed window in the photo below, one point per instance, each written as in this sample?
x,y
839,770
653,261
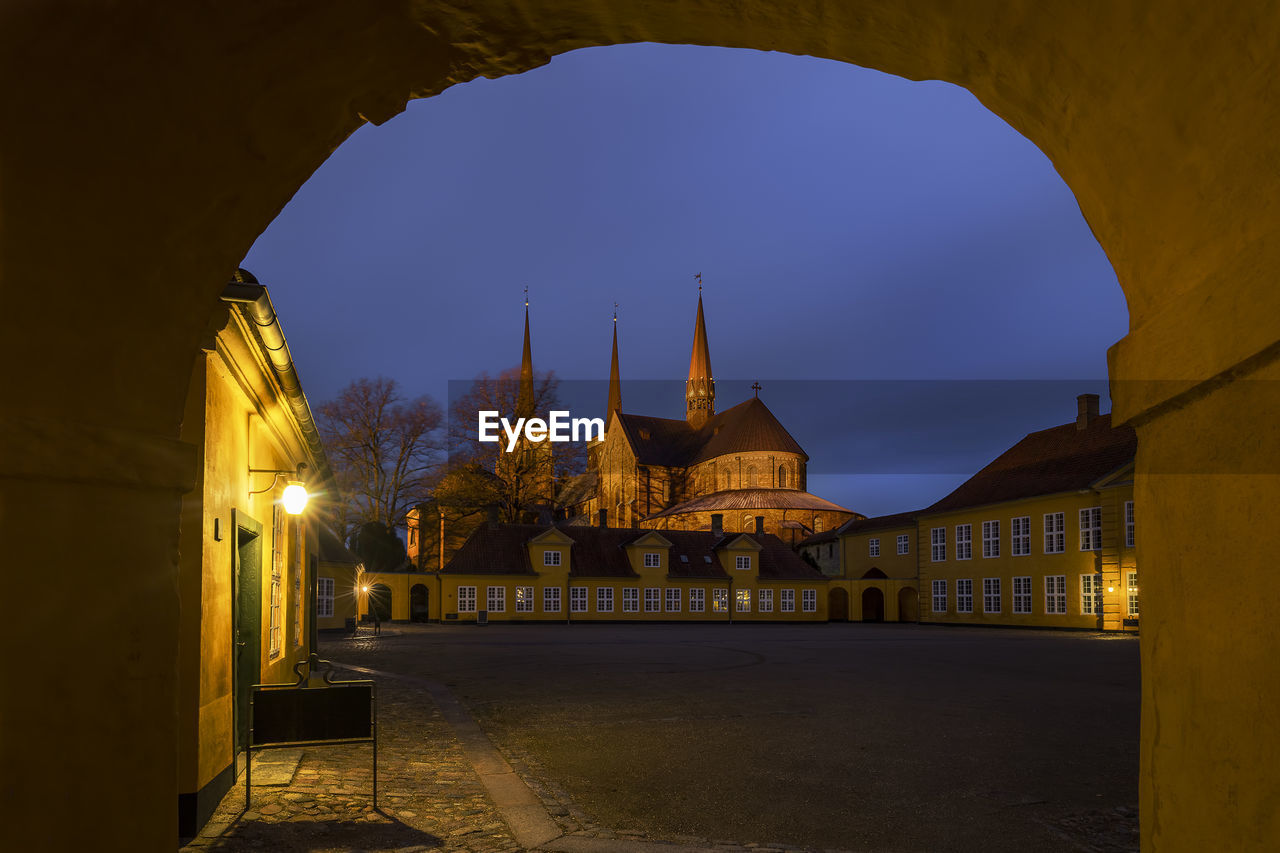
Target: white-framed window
x,y
742,561
1022,595
939,596
938,544
466,599
991,595
497,599
990,539
1091,529
524,599
873,547
1055,536
1055,594
697,600
766,601
631,599
551,599
274,639
742,597
652,559
964,595
1130,537
673,599
550,558
652,599
604,599
324,596
296,569
809,600
1091,594
1022,536
577,599
720,600
1132,580
788,601
904,544
964,541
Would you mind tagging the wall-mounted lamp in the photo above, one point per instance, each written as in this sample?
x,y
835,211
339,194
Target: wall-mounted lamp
x,y
295,494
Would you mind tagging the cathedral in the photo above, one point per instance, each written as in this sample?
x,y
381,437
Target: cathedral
x,y
731,470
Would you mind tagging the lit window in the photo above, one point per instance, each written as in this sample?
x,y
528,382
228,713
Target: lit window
x,y
466,599
873,547
652,600
1022,595
788,601
964,595
604,599
742,562
766,601
324,596
991,595
652,560
964,541
1022,536
550,558
1055,537
782,476
904,544
1091,529
809,600
938,544
631,599
1055,594
720,600
940,596
1091,594
673,599
743,599
697,600
1133,593
551,599
1130,539
524,599
497,599
577,599
990,539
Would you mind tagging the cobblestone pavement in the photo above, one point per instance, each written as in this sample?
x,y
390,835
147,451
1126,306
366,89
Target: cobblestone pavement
x,y
429,798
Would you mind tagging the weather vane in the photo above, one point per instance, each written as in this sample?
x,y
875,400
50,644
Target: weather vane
x,y
526,296
699,278
755,386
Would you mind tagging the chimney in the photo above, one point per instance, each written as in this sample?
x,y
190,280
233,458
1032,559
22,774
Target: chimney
x,y
1086,410
717,524
603,518
759,524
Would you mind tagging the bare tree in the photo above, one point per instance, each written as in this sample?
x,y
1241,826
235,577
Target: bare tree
x,y
385,452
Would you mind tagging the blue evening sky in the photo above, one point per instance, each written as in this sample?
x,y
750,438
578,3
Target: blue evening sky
x,y
851,228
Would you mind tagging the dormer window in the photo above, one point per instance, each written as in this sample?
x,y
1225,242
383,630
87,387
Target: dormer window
x,y
652,560
742,562
550,558
705,557
644,434
684,558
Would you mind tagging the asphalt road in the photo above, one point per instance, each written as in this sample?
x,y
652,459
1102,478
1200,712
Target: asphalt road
x,y
854,737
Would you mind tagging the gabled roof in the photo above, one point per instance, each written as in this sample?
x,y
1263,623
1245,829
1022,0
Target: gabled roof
x,y
1061,459
746,427
880,522
731,500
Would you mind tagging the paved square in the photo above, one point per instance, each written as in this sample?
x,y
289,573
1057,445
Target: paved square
x,y
854,737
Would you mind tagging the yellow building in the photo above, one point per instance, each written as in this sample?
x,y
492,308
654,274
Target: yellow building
x,y
535,573
246,565
337,583
1044,536
873,561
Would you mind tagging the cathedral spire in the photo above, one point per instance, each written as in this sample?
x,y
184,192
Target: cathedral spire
x,y
615,383
700,389
524,402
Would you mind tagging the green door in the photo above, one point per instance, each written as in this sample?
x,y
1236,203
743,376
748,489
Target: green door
x,y
246,628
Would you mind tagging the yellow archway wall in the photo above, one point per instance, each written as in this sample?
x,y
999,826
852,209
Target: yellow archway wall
x,y
147,146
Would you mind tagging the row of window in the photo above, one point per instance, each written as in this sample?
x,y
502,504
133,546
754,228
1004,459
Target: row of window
x,y
904,545
654,598
1055,595
1055,541
652,559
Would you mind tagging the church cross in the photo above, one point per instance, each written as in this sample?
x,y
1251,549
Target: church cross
x,y
755,386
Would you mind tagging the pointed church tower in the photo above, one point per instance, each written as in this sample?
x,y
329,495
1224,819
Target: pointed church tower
x,y
524,400
615,383
700,389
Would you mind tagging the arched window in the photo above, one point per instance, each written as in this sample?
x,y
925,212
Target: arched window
x,y
782,476
728,479
748,524
817,525
751,476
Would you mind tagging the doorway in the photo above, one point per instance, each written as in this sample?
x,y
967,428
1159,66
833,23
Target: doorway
x,y
872,605
908,605
838,605
246,627
419,599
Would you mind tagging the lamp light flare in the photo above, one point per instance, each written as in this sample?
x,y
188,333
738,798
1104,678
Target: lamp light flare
x,y
294,498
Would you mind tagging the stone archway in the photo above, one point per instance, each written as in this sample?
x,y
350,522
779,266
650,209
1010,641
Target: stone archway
x,y
208,118
872,604
419,603
380,601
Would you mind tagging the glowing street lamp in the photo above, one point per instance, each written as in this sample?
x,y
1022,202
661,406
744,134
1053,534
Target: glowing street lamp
x,y
295,494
